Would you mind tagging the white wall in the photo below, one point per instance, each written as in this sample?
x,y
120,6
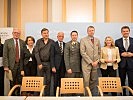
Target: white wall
x,y
56,10
79,11
100,10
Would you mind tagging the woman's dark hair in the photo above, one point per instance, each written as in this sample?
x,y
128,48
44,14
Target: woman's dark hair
x,y
28,38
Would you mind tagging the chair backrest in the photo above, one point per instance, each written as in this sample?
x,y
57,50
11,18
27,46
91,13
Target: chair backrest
x,y
110,84
71,85
32,83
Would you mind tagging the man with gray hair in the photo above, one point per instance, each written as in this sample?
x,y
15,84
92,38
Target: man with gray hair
x,y
57,60
90,51
13,57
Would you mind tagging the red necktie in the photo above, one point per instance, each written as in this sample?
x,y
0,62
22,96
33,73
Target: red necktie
x,y
17,51
92,40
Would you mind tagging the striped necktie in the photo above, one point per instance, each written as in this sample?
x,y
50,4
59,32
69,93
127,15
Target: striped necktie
x,y
61,49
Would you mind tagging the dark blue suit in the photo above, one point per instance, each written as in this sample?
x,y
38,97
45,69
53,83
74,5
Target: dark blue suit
x,y
57,61
126,63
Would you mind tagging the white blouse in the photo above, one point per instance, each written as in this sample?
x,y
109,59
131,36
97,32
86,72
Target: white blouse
x,y
109,57
30,52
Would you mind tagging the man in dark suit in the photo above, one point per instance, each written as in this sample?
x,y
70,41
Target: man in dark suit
x,y
13,57
57,60
72,57
125,45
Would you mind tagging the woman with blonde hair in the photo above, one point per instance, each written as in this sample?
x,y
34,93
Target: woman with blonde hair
x,y
109,58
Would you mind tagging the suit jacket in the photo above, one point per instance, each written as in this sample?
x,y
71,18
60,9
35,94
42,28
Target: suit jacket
x,y
1,50
90,52
72,57
124,60
104,56
27,56
57,60
9,53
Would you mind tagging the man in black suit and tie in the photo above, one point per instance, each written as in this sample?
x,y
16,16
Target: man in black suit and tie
x,y
125,45
57,60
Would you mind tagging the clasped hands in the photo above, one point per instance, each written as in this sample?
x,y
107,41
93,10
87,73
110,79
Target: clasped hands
x,y
110,61
127,54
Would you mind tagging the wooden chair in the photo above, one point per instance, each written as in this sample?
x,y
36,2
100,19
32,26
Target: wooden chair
x,y
72,85
111,84
30,84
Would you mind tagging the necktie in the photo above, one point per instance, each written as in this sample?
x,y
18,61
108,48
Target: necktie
x,y
17,51
61,49
92,40
126,44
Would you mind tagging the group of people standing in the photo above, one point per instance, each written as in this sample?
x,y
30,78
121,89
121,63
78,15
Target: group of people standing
x,y
71,60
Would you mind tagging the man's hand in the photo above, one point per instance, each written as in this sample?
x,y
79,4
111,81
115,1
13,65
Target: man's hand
x,y
69,71
124,54
6,69
40,67
94,64
22,73
54,70
130,54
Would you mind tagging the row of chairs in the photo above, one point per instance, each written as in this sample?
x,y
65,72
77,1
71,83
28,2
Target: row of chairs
x,y
71,85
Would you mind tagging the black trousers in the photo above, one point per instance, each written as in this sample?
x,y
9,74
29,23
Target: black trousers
x,y
46,73
109,72
122,73
60,73
30,69
1,81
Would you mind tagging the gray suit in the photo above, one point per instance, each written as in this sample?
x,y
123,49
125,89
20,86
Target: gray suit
x,y
72,58
90,52
9,59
